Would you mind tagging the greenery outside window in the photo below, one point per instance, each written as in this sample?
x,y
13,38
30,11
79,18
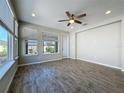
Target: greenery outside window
x,y
3,45
50,46
50,43
31,47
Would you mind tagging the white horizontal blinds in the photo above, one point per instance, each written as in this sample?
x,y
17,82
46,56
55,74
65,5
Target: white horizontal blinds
x,y
32,42
31,47
49,43
49,36
6,15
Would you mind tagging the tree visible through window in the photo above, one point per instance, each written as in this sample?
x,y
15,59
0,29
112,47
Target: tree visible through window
x,y
3,45
50,42
50,46
31,47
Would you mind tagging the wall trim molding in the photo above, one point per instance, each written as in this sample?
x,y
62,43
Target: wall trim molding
x,y
20,65
11,79
110,21
110,66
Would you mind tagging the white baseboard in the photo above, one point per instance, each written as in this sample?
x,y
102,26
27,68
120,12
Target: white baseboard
x,y
11,79
65,57
39,62
72,58
100,64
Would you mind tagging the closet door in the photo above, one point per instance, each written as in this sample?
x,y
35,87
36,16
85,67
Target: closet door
x,y
65,46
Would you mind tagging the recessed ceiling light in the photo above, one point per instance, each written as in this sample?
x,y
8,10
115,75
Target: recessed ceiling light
x,y
108,12
33,15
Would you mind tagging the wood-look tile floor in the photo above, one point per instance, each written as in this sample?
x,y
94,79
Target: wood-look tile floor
x,y
67,76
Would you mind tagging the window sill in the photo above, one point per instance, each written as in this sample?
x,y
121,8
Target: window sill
x,y
31,55
4,68
51,53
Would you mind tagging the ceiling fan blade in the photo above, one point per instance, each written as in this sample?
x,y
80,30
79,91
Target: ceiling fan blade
x,y
76,21
68,14
82,15
63,20
68,24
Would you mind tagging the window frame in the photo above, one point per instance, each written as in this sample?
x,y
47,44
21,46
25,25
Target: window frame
x,y
15,37
57,46
26,41
7,56
10,42
4,68
43,40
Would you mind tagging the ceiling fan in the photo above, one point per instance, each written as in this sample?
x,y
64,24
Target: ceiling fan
x,y
72,18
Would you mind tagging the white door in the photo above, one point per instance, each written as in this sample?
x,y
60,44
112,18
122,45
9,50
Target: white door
x,y
65,46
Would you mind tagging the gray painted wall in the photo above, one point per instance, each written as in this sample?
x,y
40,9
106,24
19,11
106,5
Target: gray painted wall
x,y
74,48
100,45
122,44
34,32
6,80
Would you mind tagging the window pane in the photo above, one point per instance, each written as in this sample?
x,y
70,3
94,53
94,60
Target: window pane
x,y
3,45
16,48
31,47
50,46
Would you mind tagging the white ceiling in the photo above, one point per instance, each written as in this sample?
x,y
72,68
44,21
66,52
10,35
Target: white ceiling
x,y
48,12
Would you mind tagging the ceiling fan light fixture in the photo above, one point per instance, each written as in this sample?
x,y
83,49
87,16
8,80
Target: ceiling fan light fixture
x,y
71,21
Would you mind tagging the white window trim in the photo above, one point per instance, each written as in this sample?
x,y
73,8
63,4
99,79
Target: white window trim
x,y
15,56
51,53
29,54
5,67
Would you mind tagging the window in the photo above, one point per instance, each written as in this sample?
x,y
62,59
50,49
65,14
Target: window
x,y
3,45
50,46
16,39
6,37
50,43
31,47
16,47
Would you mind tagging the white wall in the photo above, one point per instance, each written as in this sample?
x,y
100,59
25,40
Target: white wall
x,y
122,44
31,31
100,45
89,39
